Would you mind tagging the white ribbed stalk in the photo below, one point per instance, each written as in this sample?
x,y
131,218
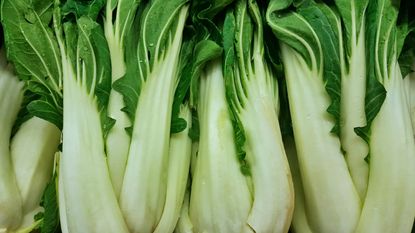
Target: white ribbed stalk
x,y
299,221
184,225
389,206
332,202
118,141
220,198
90,202
178,170
145,182
353,113
273,192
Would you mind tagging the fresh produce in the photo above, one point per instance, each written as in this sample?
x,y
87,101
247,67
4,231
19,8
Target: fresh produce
x,y
343,83
27,148
194,116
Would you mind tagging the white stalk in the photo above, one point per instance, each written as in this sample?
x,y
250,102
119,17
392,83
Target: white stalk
x,y
11,96
299,222
390,204
90,202
409,83
32,150
273,191
332,202
178,170
145,182
184,225
353,114
117,141
220,199
61,197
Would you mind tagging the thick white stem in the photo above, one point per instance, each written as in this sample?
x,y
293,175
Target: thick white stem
x,y
220,199
145,181
353,115
184,225
332,202
117,141
90,202
273,192
390,204
299,222
32,150
178,170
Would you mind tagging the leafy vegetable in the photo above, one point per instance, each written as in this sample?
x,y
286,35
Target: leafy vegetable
x,y
310,47
84,171
217,172
252,94
149,89
392,151
116,30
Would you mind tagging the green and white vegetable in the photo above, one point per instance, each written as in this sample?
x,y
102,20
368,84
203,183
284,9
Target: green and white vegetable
x,y
154,76
193,116
313,78
118,141
347,77
217,172
253,98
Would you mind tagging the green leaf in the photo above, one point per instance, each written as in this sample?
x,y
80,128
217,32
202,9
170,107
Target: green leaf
x,y
154,26
33,50
204,51
203,15
313,31
233,94
79,8
325,22
178,125
50,214
406,37
126,11
194,131
43,108
291,28
130,85
352,13
381,37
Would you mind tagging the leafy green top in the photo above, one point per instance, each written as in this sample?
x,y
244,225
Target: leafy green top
x,y
306,26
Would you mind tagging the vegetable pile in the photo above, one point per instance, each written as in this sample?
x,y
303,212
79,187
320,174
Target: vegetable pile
x,y
196,116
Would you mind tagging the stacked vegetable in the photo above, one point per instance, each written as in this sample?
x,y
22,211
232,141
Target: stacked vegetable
x,y
191,116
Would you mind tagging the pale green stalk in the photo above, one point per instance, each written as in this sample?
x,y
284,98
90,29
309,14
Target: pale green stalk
x,y
220,200
178,170
32,150
332,203
145,182
90,202
390,204
299,222
11,96
117,141
353,111
184,225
